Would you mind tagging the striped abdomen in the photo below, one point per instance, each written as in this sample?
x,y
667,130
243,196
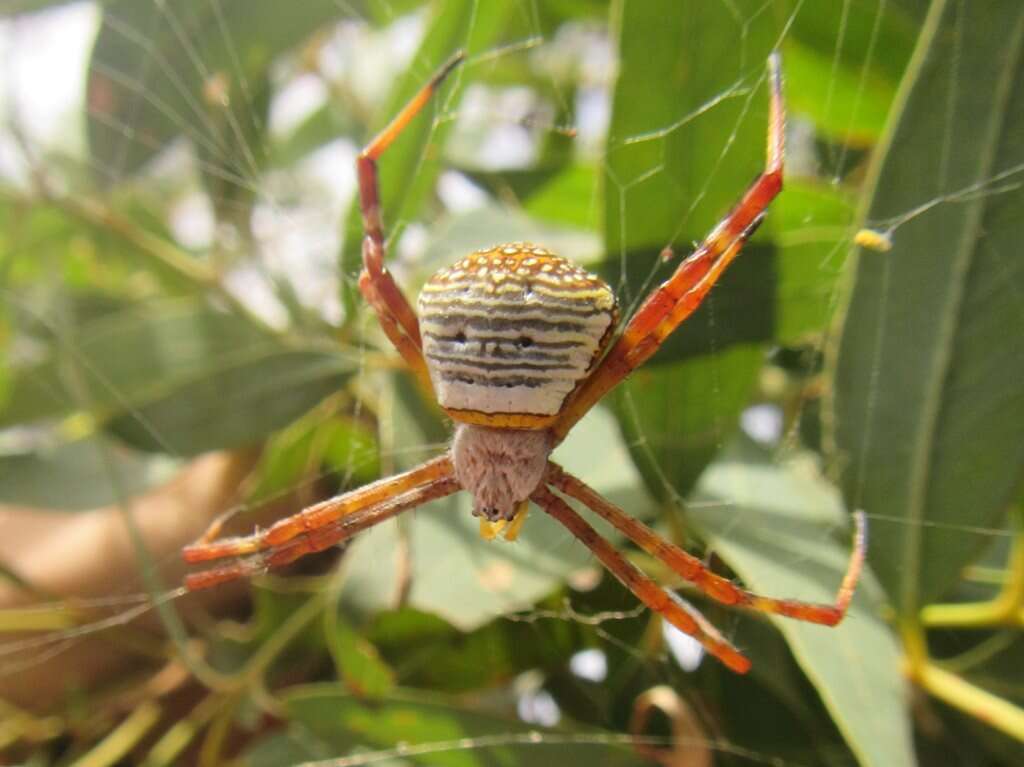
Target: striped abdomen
x,y
509,332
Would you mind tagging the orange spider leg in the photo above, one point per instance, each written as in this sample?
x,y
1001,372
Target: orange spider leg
x,y
322,537
689,567
307,521
378,287
676,611
678,297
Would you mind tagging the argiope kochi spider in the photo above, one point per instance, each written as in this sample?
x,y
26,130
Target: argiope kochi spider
x,y
516,344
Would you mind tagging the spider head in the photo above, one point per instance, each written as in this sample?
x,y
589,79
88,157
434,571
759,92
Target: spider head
x,y
499,467
510,331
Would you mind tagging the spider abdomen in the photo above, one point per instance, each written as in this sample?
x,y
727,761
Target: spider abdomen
x,y
509,332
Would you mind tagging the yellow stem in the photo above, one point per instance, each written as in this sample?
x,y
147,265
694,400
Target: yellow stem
x,y
915,647
117,744
982,705
210,752
16,620
1006,609
18,725
177,738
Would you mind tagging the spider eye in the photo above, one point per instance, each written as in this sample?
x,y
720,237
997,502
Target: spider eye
x,y
525,342
460,337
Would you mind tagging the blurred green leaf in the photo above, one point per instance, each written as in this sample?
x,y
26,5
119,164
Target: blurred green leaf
x,y
357,661
120,358
927,371
861,34
774,525
428,652
675,417
743,308
449,734
163,70
288,747
311,446
843,62
74,476
176,376
455,237
847,104
570,197
234,402
322,126
811,226
776,293
232,151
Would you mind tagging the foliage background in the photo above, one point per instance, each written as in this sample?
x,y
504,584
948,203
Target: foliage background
x,y
181,336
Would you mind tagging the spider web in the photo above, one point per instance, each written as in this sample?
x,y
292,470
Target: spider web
x,y
266,205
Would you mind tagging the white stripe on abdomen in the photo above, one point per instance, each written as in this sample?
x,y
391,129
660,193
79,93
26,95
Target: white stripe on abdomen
x,y
501,335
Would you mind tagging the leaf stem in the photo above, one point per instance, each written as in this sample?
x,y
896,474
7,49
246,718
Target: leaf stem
x,y
1006,608
117,744
979,703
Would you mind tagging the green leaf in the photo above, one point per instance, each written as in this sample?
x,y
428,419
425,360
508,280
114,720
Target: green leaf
x,y
570,197
811,224
843,62
449,734
849,104
176,376
357,661
429,653
928,403
459,235
741,310
774,525
119,359
675,417
860,34
163,70
234,402
322,126
312,446
27,478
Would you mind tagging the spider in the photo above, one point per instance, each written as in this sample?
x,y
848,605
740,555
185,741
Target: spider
x,y
517,345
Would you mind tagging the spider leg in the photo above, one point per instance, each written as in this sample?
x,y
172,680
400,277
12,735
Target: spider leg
x,y
679,296
320,515
677,612
322,537
396,315
692,569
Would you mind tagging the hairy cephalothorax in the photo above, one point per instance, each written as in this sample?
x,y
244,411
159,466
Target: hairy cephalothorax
x,y
515,343
500,468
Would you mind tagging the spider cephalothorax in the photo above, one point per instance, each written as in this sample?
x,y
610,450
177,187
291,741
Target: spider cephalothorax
x,y
500,468
515,345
